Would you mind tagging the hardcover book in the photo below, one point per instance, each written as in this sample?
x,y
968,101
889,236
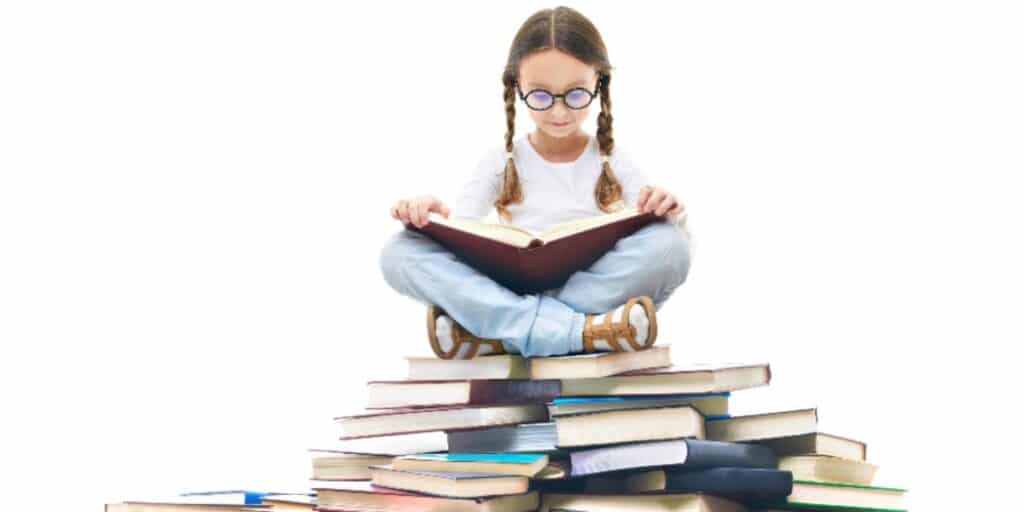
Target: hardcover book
x,y
526,262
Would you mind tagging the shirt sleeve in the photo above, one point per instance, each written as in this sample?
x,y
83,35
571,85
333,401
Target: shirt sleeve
x,y
476,198
632,178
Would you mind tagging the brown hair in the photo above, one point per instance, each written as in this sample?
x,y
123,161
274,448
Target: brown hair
x,y
567,30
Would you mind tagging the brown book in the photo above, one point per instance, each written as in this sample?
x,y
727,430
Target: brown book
x,y
434,393
525,262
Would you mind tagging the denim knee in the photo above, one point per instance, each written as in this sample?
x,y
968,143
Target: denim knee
x,y
670,247
393,256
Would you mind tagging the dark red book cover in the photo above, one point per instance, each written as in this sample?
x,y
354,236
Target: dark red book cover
x,y
540,266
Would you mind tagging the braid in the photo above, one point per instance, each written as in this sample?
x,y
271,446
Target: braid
x,y
511,192
607,191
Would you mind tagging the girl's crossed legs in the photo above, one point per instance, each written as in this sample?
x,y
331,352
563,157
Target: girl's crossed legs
x,y
653,261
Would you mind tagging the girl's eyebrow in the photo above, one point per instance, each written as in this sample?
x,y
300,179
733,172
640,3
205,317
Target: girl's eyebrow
x,y
537,84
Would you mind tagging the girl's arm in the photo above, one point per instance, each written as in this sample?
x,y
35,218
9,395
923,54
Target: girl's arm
x,y
476,198
633,179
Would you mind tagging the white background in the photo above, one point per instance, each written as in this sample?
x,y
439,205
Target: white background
x,y
194,195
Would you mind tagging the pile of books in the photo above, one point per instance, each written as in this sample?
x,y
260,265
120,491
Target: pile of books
x,y
595,432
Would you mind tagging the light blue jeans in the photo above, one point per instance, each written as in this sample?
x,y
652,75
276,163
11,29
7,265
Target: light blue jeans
x,y
653,261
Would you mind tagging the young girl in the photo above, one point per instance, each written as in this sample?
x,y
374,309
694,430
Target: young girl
x,y
557,66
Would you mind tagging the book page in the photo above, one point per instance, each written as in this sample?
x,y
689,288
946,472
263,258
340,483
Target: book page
x,y
507,233
564,229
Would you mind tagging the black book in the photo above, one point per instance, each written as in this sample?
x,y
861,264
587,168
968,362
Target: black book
x,y
751,486
746,485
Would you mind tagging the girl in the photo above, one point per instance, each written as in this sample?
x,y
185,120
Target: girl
x,y
557,66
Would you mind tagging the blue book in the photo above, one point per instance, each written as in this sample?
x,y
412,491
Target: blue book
x,y
238,496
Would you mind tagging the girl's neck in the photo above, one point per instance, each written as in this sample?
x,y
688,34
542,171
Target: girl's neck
x,y
560,149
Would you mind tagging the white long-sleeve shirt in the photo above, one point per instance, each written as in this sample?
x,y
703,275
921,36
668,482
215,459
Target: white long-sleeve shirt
x,y
553,192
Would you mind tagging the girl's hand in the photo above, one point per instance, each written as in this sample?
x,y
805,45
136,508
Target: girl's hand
x,y
659,201
417,209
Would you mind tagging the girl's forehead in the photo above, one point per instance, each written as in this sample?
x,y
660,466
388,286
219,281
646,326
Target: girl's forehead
x,y
554,69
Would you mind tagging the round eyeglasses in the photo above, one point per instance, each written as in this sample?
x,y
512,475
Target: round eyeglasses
x,y
576,99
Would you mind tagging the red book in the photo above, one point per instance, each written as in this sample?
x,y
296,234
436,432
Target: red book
x,y
526,262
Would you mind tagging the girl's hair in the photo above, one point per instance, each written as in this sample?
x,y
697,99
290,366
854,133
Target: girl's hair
x,y
567,30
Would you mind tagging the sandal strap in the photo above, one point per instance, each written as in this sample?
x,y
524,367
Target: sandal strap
x,y
460,335
609,331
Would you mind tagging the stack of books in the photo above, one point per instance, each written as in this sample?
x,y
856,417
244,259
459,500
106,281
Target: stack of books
x,y
596,432
219,501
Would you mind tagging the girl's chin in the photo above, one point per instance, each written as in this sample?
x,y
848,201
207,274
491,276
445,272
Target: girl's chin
x,y
559,131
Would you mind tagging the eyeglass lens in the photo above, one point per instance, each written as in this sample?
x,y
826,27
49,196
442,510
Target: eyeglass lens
x,y
541,99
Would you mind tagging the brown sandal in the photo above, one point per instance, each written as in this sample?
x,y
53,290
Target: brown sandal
x,y
611,330
459,336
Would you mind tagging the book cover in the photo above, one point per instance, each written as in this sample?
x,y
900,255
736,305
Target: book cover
x,y
544,262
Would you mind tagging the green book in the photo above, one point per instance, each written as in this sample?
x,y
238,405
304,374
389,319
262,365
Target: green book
x,y
815,495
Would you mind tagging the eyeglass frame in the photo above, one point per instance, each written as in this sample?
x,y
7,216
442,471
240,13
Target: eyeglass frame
x,y
597,90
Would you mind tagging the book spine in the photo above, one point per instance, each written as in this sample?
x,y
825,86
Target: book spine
x,y
709,454
514,391
741,484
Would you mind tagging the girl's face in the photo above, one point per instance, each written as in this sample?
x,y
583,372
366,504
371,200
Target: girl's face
x,y
557,72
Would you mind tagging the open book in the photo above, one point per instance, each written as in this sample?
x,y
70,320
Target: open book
x,y
525,262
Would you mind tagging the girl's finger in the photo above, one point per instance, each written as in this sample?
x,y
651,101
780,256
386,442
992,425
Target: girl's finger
x,y
403,211
654,200
641,198
666,204
424,211
414,214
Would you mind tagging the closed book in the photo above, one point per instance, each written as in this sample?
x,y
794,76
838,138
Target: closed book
x,y
678,379
601,428
423,393
679,453
349,496
500,366
817,443
745,485
449,483
557,502
528,437
396,444
525,262
291,502
333,465
709,404
809,494
175,506
523,464
828,469
753,427
601,364
403,421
